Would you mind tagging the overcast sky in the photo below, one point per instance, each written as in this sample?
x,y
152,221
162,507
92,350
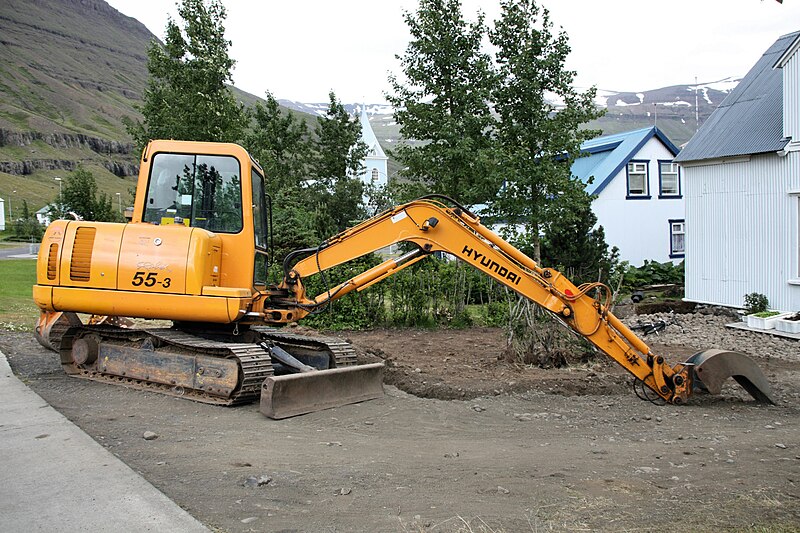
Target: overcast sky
x,y
300,50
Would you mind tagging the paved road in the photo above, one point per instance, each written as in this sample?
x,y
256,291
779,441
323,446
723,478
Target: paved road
x,y
27,251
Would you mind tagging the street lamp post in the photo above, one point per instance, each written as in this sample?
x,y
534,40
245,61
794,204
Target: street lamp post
x,y
60,195
119,201
11,209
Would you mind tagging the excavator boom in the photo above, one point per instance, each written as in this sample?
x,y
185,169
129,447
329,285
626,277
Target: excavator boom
x,y
435,227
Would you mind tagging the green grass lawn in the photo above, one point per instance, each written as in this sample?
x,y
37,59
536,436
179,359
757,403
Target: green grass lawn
x,y
17,310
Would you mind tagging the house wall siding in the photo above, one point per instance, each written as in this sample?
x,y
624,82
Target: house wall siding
x,y
791,97
742,231
639,228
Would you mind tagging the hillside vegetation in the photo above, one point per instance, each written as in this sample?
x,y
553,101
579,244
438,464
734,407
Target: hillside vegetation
x,y
70,70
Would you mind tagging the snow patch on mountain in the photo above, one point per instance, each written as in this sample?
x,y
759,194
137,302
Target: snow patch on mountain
x,y
710,94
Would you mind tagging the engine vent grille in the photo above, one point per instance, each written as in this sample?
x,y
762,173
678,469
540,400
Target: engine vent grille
x,y
81,263
52,261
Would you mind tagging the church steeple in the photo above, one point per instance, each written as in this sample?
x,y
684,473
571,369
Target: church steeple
x,y
375,162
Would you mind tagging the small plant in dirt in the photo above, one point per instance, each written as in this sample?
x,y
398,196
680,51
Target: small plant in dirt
x,y
766,314
755,303
536,338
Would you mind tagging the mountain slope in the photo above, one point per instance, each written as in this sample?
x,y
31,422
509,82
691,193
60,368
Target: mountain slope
x,y
69,66
70,70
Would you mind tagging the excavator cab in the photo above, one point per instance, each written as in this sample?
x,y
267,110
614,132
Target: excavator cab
x,y
221,191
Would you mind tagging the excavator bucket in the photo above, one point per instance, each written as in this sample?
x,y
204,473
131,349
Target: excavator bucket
x,y
712,367
51,326
306,392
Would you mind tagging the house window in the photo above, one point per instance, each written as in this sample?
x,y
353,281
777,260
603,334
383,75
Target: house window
x,y
669,179
637,180
677,238
374,174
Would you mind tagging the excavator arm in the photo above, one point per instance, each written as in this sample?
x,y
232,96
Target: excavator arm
x,y
435,227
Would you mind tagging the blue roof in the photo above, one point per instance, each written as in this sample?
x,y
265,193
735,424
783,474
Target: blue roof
x,y
609,154
750,119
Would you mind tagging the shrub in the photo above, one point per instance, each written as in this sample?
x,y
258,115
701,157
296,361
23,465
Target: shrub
x,y
653,273
755,303
356,310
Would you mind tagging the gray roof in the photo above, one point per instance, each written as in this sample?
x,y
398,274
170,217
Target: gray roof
x,y
750,119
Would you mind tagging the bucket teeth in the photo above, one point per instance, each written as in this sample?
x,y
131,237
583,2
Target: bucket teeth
x,y
712,368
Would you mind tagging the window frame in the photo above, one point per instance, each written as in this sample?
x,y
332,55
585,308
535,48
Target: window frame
x,y
257,179
195,155
672,253
637,196
679,192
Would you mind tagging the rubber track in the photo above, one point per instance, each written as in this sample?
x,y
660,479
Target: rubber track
x,y
253,362
343,352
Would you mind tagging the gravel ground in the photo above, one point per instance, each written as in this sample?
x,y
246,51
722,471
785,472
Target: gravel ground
x,y
708,331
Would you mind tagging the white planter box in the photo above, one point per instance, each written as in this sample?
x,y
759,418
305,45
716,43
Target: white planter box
x,y
764,323
787,326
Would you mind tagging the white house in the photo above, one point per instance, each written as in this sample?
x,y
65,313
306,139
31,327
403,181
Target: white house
x,y
376,163
742,188
43,215
639,193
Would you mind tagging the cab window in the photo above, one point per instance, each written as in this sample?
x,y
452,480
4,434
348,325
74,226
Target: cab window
x,y
203,191
260,229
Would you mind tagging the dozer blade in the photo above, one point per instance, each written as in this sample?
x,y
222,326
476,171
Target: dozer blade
x,y
306,392
713,367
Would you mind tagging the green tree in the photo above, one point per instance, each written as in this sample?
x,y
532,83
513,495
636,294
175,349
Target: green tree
x,y
575,246
293,224
537,143
81,197
444,104
335,167
186,95
27,227
280,142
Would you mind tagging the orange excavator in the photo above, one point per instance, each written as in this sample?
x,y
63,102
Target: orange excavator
x,y
196,253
